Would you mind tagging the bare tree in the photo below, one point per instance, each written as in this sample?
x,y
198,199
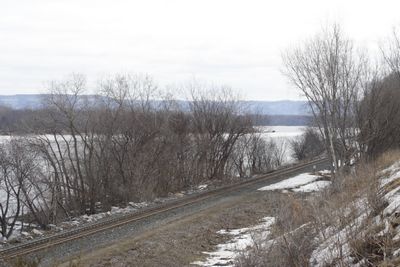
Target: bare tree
x,y
379,113
14,169
217,125
308,145
379,109
328,72
391,53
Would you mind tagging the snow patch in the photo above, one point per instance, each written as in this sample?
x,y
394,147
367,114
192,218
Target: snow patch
x,y
391,169
394,176
202,186
37,232
296,181
241,239
336,245
313,187
394,204
325,172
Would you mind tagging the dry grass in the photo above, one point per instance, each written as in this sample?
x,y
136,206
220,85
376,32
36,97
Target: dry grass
x,y
346,211
182,241
24,262
290,244
372,247
387,159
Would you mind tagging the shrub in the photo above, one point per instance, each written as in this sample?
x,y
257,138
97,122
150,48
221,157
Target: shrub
x,y
308,145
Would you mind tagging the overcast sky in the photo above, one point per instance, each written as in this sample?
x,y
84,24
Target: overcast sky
x,y
237,43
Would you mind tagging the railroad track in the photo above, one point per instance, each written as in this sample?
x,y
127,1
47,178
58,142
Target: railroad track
x,y
96,227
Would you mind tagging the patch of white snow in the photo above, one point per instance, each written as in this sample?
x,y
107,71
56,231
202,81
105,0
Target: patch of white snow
x,y
313,187
242,238
202,186
296,181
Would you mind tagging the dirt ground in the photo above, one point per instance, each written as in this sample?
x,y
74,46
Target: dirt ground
x,y
182,242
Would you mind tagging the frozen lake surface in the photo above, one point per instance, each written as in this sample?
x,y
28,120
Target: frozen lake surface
x,y
282,135
281,131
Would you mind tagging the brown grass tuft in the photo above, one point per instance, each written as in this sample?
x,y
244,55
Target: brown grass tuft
x,y
387,159
340,208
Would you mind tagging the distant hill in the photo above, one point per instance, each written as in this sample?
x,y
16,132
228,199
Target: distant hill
x,y
284,107
21,101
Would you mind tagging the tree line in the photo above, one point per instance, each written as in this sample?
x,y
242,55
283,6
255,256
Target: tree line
x,y
79,151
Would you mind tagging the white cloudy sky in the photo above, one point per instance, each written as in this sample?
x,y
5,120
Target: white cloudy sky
x,y
234,42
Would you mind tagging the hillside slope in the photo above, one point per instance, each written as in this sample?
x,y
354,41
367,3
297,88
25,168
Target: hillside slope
x,y
353,222
283,107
